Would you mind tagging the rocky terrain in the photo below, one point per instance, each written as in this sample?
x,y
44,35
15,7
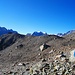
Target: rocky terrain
x,y
22,54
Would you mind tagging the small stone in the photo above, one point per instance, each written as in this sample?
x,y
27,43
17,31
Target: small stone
x,y
39,54
20,64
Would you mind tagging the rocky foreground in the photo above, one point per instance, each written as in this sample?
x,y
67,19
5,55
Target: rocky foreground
x,y
32,55
60,65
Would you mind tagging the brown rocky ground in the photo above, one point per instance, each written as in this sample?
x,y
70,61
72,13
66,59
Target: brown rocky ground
x,y
19,48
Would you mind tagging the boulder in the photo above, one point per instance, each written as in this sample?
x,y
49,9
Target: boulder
x,y
19,46
72,56
44,46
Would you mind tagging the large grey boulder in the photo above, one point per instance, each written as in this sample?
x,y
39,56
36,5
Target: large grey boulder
x,y
44,46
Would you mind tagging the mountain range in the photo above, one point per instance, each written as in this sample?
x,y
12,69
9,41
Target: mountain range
x,y
3,30
67,33
37,33
15,47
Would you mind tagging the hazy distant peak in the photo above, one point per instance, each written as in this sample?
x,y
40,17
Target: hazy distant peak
x,y
3,30
38,33
67,33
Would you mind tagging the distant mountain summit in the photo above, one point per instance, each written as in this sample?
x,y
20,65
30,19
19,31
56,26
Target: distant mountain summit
x,y
39,33
3,30
67,33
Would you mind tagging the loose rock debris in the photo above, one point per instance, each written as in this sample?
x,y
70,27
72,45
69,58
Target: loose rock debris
x,y
56,67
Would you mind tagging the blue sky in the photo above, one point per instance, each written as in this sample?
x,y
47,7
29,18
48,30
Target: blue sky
x,y
27,16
